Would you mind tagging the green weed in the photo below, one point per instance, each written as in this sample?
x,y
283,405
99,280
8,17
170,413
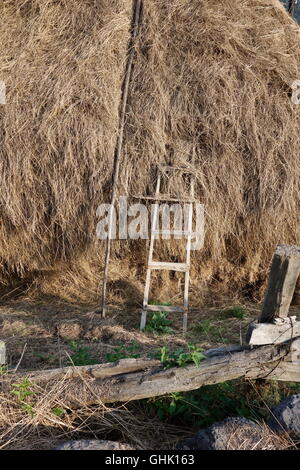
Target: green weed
x,y
123,352
236,312
23,391
212,403
58,412
159,323
3,369
81,355
180,357
213,332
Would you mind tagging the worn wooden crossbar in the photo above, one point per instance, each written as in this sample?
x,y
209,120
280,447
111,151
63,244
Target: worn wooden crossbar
x,y
135,379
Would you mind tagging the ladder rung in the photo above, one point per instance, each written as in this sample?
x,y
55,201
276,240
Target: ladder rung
x,y
182,267
164,308
176,168
173,232
166,199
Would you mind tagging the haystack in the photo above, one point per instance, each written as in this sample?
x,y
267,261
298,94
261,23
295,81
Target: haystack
x,y
210,75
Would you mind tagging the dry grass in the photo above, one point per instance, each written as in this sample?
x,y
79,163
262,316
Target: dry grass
x,y
209,75
43,429
63,64
39,426
47,328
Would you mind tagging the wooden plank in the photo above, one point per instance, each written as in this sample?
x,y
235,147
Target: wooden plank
x,y
188,261
150,257
182,233
156,381
287,370
98,371
164,308
138,7
271,333
181,267
162,198
282,282
2,353
177,168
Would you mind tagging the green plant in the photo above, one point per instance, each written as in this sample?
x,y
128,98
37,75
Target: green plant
x,y
159,323
58,412
81,355
204,406
123,352
168,406
23,391
180,357
3,369
213,332
236,312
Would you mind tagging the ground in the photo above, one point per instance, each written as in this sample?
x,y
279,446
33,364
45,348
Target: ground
x,y
46,328
49,333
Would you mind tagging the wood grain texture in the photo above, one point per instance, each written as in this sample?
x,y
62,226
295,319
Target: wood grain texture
x,y
93,384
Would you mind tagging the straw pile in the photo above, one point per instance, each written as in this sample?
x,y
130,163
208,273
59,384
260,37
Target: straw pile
x,y
209,75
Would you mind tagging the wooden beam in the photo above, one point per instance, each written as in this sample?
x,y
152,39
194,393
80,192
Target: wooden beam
x,y
98,371
273,333
282,282
287,370
221,365
2,353
138,5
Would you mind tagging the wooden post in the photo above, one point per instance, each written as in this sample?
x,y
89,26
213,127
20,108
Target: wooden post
x,y
282,282
2,353
138,4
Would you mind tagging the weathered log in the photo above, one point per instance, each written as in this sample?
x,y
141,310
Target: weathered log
x,y
98,371
219,367
282,282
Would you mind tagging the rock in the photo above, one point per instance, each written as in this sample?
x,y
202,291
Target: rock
x,y
232,434
92,444
287,416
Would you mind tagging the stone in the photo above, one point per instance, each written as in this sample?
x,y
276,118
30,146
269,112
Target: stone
x,y
232,434
287,416
92,444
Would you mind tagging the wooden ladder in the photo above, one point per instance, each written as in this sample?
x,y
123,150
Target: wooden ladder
x,y
158,265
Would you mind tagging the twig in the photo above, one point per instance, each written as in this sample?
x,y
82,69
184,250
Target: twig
x,y
20,360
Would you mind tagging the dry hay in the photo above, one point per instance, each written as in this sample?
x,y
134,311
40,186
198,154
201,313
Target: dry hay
x,y
48,419
210,75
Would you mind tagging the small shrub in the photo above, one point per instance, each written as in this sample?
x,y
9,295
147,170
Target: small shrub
x,y
23,391
3,369
159,324
123,352
81,355
236,312
180,357
58,412
213,332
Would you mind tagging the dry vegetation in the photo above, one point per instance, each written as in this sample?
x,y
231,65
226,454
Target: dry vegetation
x,y
45,333
211,75
45,427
